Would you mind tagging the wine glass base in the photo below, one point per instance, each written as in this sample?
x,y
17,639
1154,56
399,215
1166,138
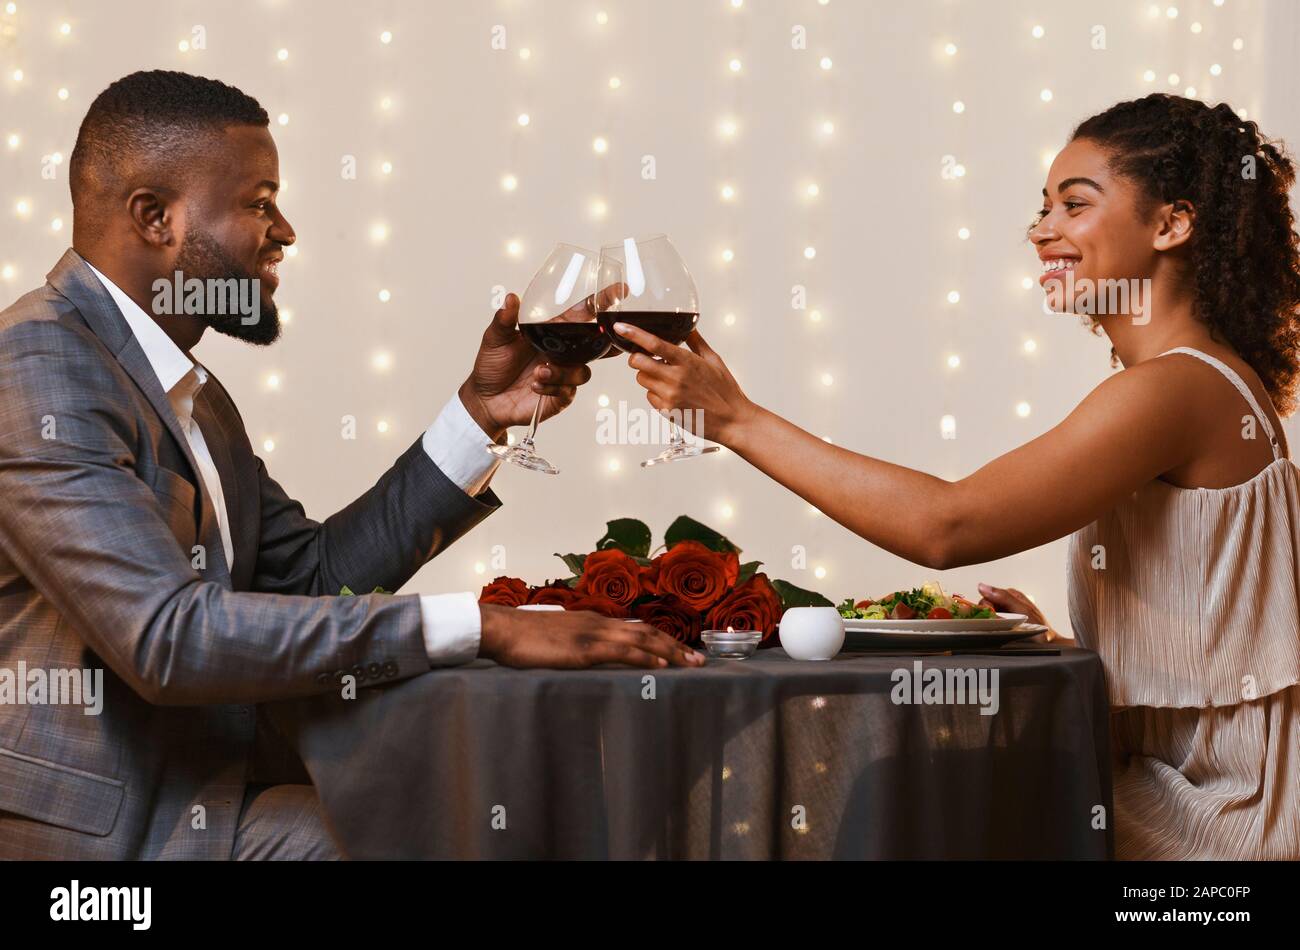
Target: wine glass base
x,y
523,456
679,451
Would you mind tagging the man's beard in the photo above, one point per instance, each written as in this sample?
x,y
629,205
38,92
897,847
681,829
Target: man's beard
x,y
202,257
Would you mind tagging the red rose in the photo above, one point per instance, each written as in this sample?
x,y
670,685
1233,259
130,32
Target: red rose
x,y
506,591
650,577
555,593
754,605
696,575
562,594
675,618
611,574
601,605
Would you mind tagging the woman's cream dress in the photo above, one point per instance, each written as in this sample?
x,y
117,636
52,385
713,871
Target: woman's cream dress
x,y
1190,597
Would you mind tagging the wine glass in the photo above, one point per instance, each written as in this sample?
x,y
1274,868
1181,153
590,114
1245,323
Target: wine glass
x,y
658,296
557,315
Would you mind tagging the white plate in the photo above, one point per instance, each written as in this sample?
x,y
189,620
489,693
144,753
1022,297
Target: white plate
x,y
1001,622
937,639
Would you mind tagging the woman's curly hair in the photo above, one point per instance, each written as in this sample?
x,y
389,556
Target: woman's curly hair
x,y
1245,253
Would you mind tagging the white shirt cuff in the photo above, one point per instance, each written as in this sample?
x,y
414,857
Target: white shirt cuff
x,y
452,628
458,446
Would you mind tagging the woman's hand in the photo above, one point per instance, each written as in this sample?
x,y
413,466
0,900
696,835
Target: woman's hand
x,y
694,379
1011,601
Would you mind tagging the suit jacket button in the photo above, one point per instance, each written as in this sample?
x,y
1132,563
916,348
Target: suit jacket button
x,y
390,668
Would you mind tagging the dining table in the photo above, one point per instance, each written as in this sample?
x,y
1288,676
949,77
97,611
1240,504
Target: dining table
x,y
769,757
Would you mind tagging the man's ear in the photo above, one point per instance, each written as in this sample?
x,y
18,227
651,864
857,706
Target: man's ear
x,y
1175,223
153,216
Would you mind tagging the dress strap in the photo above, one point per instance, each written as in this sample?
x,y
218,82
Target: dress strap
x,y
1242,388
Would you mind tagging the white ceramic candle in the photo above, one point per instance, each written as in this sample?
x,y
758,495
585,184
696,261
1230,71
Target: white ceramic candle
x,y
812,633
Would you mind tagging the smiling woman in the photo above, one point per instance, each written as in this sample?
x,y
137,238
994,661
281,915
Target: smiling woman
x,y
1184,525
1219,174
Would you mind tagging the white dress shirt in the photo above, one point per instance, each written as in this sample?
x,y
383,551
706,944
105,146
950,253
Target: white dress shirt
x,y
455,442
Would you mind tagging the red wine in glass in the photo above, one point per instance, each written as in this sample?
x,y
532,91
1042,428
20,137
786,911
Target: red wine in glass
x,y
569,344
671,327
655,293
557,316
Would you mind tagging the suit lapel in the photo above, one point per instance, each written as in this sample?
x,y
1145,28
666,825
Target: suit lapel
x,y
207,419
72,278
210,537
137,364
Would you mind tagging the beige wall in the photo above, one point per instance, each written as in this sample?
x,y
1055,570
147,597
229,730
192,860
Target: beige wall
x,y
884,225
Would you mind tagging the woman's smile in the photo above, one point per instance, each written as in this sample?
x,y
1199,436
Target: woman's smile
x,y
1055,267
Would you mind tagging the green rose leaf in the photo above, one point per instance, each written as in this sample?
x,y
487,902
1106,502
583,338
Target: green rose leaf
x,y
688,529
573,562
748,570
629,535
792,596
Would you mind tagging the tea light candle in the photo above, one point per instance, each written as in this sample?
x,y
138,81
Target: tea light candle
x,y
732,644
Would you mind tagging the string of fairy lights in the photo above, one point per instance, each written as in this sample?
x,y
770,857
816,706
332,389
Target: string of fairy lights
x,y
376,169
33,36
733,75
273,380
820,135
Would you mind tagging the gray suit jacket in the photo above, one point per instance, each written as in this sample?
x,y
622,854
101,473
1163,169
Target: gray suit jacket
x,y
97,526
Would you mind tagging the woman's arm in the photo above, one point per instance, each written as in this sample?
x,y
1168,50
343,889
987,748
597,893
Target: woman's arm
x,y
1125,433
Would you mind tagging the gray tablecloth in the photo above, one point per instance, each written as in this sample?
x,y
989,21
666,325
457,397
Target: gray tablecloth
x,y
761,758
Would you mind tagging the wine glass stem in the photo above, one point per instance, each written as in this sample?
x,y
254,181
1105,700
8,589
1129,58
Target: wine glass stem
x,y
532,426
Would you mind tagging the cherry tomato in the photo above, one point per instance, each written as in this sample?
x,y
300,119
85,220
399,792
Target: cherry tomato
x,y
939,613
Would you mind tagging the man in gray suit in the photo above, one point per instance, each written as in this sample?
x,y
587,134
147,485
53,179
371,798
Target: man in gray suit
x,y
141,537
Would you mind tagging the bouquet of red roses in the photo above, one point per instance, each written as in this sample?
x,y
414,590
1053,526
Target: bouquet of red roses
x,y
696,582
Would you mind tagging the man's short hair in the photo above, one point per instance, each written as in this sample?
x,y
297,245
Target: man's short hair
x,y
150,125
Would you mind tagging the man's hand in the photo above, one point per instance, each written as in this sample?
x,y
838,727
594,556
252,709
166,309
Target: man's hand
x,y
509,375
575,639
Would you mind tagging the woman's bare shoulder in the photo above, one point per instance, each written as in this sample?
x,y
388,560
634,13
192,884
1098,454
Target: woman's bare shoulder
x,y
1151,389
1182,397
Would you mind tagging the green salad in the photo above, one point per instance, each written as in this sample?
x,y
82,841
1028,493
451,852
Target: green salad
x,y
927,602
